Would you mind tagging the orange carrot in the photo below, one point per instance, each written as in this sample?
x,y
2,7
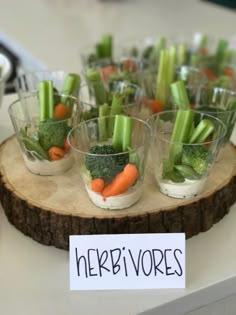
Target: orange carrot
x,y
155,106
129,65
60,111
229,72
203,51
97,184
210,75
66,145
107,71
121,182
56,153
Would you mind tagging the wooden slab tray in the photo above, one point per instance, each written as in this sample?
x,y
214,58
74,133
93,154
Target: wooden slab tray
x,y
50,208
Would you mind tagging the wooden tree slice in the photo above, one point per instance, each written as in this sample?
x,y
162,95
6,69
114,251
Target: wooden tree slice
x,y
50,208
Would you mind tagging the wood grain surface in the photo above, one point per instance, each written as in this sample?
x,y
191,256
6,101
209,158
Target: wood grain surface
x,y
50,208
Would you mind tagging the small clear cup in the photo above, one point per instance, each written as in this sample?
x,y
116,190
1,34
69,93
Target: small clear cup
x,y
43,142
181,169
220,103
97,158
28,82
93,96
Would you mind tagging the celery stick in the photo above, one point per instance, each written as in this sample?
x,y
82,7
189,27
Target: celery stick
x,y
181,131
71,85
181,54
0,71
127,130
117,139
102,121
116,109
187,171
171,65
121,139
99,50
95,82
107,46
162,83
50,99
202,131
203,41
179,95
46,103
221,49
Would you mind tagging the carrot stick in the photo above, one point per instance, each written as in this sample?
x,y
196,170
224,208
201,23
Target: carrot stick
x,y
97,184
107,71
210,75
55,153
122,181
155,106
60,111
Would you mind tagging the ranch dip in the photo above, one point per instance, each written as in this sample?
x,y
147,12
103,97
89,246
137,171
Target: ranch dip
x,y
122,201
44,167
187,189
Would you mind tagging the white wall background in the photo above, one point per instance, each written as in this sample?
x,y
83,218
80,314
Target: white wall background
x,y
56,30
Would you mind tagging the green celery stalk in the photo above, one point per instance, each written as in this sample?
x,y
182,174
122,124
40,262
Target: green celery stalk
x,y
179,94
95,82
46,103
102,121
162,78
181,54
171,65
107,43
70,87
127,130
99,50
116,109
121,139
202,131
221,50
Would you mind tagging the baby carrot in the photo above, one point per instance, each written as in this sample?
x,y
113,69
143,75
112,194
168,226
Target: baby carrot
x,y
60,111
155,106
55,153
229,72
121,182
107,71
209,74
97,184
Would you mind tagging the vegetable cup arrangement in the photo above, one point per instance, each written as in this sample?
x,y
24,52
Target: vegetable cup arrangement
x,y
218,102
156,84
42,122
111,154
102,50
185,146
98,99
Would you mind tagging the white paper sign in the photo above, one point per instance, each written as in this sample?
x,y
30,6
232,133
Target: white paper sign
x,y
127,261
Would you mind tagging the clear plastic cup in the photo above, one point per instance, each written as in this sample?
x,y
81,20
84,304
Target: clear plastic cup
x,y
112,176
43,143
181,169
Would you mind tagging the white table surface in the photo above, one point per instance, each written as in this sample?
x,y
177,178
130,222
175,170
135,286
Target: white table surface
x,y
34,279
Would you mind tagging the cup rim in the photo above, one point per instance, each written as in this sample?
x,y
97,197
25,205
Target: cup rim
x,y
34,93
35,72
123,106
112,154
186,143
231,92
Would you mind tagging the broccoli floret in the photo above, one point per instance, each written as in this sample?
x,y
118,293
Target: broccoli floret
x,y
52,134
106,167
197,157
